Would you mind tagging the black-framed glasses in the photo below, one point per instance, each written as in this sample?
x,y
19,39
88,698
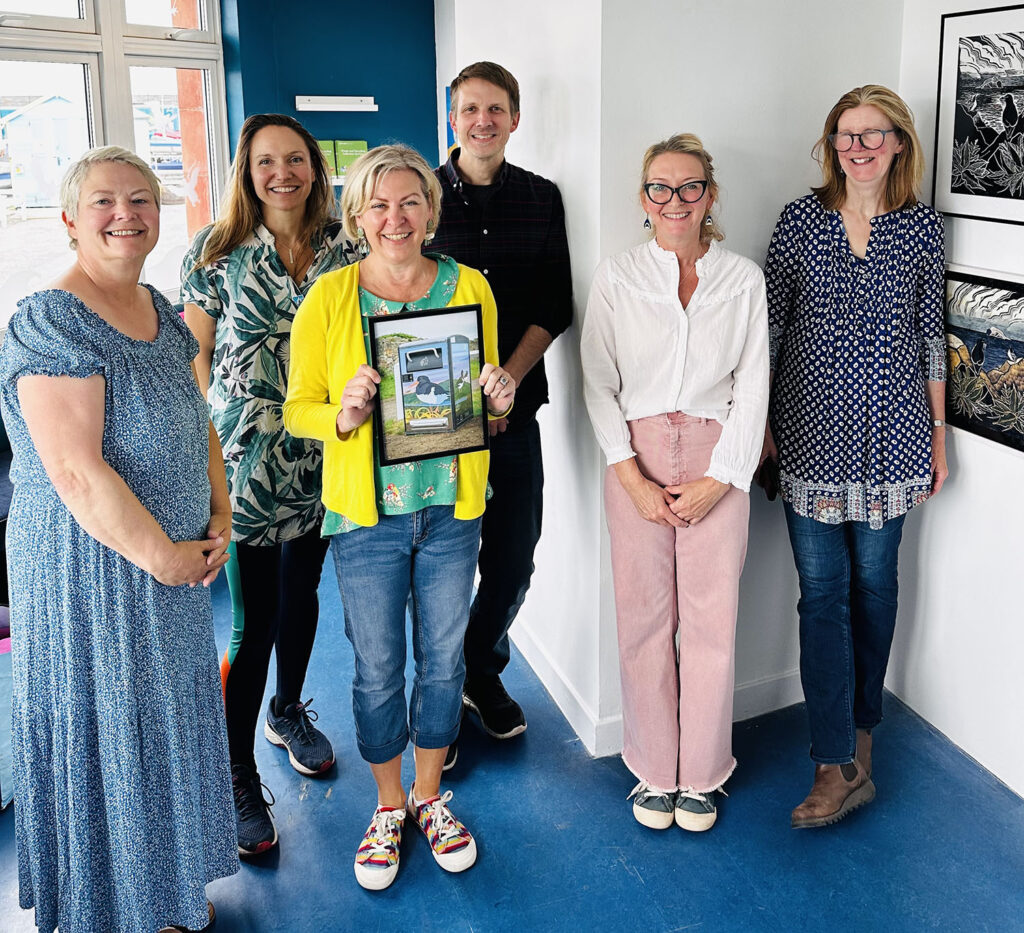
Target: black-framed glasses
x,y
689,193
869,139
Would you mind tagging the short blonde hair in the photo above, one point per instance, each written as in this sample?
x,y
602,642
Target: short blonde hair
x,y
74,177
687,144
907,167
363,175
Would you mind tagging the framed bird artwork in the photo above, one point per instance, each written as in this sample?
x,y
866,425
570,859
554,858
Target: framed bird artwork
x,y
985,344
979,132
430,400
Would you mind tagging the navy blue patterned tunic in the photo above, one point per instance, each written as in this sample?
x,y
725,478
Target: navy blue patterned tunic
x,y
853,342
123,808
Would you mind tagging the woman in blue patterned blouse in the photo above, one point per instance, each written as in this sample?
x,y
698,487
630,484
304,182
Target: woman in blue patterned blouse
x,y
854,275
242,281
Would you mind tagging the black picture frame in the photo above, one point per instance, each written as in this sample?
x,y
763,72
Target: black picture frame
x,y
979,134
429,402
985,348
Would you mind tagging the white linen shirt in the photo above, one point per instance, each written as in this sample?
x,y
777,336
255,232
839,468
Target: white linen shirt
x,y
644,354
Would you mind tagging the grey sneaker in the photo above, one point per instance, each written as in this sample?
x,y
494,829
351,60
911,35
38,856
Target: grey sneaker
x,y
651,808
695,812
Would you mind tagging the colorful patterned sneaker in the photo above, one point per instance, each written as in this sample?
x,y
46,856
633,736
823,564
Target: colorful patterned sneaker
x,y
696,812
453,847
309,750
376,861
256,830
651,808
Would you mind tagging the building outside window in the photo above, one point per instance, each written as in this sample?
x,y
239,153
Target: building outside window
x,y
144,74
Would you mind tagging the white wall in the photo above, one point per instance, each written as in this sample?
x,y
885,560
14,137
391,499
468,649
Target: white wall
x,y
744,77
755,79
563,626
960,641
600,82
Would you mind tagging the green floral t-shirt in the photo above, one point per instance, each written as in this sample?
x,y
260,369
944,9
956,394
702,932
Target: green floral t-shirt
x,y
273,478
407,487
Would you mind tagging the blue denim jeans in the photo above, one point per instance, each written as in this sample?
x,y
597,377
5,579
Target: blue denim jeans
x,y
432,555
847,608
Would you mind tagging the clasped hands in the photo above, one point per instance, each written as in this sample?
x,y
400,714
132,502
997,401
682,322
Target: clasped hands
x,y
357,399
679,505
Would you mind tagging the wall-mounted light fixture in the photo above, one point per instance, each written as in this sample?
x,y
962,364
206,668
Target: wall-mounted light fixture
x,y
305,102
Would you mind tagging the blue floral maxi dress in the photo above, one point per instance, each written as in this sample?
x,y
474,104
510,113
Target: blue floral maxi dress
x,y
123,793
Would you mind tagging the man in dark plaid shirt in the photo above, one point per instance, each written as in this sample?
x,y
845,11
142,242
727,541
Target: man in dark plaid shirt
x,y
509,224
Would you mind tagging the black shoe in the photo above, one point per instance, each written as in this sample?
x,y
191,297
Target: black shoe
x,y
309,750
451,757
256,830
500,715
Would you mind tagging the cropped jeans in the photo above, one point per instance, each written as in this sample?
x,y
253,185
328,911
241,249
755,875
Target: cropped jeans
x,y
847,608
431,554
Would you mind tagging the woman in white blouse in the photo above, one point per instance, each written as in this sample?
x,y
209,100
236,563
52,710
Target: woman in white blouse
x,y
675,364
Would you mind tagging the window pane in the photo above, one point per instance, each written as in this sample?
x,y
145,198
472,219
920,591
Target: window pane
x,y
172,133
181,13
44,127
68,8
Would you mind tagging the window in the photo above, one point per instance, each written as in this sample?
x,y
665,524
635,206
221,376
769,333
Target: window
x,y
153,82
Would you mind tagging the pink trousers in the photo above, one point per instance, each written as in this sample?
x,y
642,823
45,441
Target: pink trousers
x,y
676,704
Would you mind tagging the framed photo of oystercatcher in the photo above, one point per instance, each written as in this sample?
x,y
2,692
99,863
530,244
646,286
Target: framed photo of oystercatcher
x,y
979,128
985,344
430,403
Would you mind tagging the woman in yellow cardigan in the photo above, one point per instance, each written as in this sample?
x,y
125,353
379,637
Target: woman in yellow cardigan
x,y
413,527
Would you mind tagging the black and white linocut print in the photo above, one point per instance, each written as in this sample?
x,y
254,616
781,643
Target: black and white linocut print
x,y
988,126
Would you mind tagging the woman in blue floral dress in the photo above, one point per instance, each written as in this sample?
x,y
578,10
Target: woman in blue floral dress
x,y
123,810
854,275
242,281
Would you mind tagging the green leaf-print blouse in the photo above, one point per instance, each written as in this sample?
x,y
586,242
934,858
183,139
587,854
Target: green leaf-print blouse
x,y
273,478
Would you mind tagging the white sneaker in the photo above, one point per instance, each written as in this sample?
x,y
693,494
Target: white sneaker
x,y
376,861
453,847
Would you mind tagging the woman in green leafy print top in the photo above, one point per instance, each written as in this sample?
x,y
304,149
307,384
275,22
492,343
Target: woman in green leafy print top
x,y
242,281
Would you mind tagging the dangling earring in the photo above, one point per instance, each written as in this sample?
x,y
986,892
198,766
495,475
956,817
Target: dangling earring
x,y
361,243
430,232
647,223
708,221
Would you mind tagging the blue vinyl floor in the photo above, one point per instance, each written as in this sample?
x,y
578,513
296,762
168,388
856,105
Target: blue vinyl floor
x,y
941,848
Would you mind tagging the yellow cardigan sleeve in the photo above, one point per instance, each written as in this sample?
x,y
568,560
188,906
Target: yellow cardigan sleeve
x,y
309,410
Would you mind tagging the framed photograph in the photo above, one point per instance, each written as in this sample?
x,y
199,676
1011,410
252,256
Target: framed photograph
x,y
979,132
985,340
430,402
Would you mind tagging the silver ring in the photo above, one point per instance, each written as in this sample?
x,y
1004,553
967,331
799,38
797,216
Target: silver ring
x,y
503,380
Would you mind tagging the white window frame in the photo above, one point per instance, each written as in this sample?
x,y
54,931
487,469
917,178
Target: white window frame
x,y
89,60
209,19
102,38
109,47
17,19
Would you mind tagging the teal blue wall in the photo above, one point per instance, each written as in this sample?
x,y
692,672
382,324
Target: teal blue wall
x,y
277,49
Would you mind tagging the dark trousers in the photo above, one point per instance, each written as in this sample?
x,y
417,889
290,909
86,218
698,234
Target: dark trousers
x,y
847,608
278,597
509,535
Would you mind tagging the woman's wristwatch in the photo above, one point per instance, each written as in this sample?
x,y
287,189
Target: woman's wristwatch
x,y
938,423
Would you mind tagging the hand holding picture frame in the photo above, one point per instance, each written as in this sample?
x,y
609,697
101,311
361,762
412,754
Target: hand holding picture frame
x,y
430,402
